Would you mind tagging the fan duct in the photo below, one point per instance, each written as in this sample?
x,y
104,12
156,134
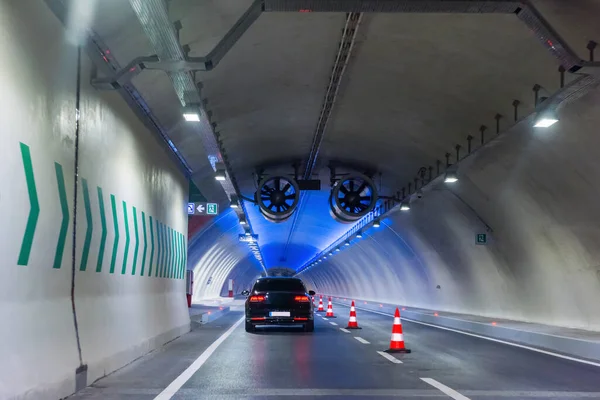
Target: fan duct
x,y
352,198
278,197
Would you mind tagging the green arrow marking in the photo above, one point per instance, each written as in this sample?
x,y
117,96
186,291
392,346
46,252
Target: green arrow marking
x,y
90,226
113,202
181,256
124,269
163,268
185,250
64,206
34,210
167,253
103,238
160,248
137,241
173,248
178,255
145,243
151,248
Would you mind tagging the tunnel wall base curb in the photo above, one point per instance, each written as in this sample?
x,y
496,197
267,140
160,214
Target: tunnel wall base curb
x,y
573,347
110,364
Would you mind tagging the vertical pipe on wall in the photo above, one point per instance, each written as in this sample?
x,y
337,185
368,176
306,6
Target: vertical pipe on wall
x,y
82,367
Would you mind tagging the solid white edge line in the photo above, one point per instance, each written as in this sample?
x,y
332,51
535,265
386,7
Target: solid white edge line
x,y
333,323
521,346
389,357
363,341
445,389
344,330
174,386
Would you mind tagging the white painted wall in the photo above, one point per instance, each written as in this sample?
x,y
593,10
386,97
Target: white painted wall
x,y
215,255
538,190
120,316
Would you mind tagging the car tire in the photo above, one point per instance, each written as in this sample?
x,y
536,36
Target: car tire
x,y
309,326
249,327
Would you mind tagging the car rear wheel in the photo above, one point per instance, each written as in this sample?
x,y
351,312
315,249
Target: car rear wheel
x,y
309,326
249,327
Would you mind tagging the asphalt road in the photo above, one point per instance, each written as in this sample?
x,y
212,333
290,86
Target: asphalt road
x,y
333,364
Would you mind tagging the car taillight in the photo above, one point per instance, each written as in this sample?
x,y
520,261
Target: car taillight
x,y
257,299
302,299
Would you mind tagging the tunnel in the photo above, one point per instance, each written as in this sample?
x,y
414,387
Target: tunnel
x,y
424,170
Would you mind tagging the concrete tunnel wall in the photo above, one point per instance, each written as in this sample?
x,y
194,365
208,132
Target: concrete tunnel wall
x,y
216,255
121,313
538,191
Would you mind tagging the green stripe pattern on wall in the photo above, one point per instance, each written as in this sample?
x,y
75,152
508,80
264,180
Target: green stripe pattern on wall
x,y
169,261
64,207
145,244
90,226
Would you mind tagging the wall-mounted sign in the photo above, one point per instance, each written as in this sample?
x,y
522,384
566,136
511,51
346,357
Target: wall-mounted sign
x,y
203,209
481,238
248,238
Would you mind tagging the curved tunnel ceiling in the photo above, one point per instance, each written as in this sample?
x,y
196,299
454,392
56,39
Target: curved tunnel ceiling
x,y
414,87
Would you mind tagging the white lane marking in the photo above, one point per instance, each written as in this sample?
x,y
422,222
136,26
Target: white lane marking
x,y
389,357
521,346
344,330
333,323
174,386
445,389
324,319
363,341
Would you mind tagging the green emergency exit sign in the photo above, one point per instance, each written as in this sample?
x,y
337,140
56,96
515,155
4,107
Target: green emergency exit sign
x,y
481,238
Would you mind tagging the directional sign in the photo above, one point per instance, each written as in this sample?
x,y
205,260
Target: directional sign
x,y
212,208
202,208
481,238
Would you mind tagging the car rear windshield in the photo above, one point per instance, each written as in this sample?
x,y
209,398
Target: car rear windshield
x,y
279,285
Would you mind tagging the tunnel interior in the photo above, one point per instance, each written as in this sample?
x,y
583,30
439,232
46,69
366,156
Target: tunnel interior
x,y
436,156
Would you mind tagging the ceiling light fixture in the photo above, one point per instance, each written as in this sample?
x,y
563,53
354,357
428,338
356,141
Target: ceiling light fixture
x,y
220,172
235,203
545,119
376,223
347,243
450,177
191,113
243,221
405,206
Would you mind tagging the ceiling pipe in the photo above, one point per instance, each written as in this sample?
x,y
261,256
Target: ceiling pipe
x,y
153,17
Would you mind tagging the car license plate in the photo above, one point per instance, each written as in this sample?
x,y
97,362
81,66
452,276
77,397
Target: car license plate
x,y
279,313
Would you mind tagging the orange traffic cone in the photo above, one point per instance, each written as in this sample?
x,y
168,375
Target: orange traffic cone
x,y
329,310
352,322
397,341
320,309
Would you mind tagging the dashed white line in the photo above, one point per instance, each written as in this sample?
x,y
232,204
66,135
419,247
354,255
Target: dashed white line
x,y
389,357
445,389
521,346
333,323
363,341
325,319
344,330
174,386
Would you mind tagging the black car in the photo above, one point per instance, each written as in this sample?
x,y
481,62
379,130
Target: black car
x,y
279,301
